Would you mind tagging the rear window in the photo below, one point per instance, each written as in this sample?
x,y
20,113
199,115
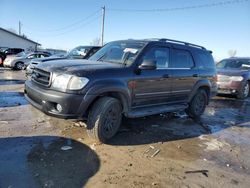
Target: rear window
x,y
181,59
205,60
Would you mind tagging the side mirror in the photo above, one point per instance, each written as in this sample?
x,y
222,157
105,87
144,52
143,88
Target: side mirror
x,y
148,65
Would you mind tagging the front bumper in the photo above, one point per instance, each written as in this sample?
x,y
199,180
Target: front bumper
x,y
73,105
231,87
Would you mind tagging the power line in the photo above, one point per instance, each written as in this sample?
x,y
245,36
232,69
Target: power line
x,y
66,26
215,4
73,29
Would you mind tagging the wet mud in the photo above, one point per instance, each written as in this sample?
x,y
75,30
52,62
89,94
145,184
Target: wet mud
x,y
167,150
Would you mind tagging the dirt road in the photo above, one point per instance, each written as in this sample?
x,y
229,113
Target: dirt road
x,y
168,150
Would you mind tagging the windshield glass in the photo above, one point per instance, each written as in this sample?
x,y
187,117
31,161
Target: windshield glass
x,y
234,64
21,54
78,52
118,52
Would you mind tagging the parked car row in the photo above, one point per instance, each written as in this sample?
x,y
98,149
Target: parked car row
x,y
23,60
80,52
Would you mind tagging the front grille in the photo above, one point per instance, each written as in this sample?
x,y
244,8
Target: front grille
x,y
41,77
223,78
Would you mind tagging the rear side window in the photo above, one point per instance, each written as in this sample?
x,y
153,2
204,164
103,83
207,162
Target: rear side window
x,y
205,60
17,50
181,59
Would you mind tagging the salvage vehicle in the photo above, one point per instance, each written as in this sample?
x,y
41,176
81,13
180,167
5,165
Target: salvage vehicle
x,y
18,62
80,52
131,78
234,76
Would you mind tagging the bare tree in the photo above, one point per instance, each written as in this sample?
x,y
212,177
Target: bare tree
x,y
232,53
96,42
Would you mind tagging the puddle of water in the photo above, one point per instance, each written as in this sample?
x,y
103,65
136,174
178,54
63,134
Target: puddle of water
x,y
40,162
10,99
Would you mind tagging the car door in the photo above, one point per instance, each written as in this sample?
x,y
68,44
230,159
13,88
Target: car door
x,y
184,74
152,87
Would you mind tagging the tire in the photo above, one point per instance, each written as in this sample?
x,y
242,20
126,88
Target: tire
x,y
198,104
19,66
104,119
244,92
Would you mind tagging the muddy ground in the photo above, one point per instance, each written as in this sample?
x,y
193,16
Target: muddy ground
x,y
167,150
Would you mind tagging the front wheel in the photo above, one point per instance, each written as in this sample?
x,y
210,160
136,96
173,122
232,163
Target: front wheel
x,y
19,66
104,119
198,104
244,92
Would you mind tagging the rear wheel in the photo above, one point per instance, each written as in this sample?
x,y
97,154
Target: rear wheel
x,y
104,119
198,104
19,66
244,92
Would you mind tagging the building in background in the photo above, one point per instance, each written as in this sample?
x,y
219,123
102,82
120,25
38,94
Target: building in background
x,y
9,39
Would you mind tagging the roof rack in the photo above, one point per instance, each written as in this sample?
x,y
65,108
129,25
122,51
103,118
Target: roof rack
x,y
181,42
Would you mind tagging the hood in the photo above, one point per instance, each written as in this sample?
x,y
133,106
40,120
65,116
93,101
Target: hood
x,y
44,59
231,72
75,67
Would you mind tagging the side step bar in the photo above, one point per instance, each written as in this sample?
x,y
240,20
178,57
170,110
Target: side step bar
x,y
152,110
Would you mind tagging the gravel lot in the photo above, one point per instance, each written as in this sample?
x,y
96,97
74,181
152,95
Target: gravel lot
x,y
166,150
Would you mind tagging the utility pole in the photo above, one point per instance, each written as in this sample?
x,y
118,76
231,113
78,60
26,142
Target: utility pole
x,y
19,28
103,20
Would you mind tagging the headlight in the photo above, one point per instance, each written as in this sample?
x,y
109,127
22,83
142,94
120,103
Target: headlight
x,y
236,78
77,83
65,81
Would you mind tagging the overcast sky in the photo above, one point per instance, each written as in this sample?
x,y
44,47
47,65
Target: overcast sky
x,y
65,24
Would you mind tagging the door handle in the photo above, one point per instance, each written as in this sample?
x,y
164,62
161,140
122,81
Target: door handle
x,y
195,75
166,76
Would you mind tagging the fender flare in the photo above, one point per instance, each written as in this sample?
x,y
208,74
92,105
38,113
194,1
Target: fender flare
x,y
119,89
199,84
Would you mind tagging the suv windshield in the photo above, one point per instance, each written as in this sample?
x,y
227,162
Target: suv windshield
x,y
78,52
118,52
234,64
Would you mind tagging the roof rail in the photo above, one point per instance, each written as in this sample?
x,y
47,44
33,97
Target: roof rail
x,y
181,42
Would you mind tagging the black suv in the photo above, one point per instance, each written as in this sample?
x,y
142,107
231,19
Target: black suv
x,y
131,78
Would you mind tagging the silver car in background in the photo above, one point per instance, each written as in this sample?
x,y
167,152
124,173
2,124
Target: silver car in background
x,y
20,61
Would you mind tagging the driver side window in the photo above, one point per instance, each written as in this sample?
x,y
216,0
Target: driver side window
x,y
31,56
158,54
